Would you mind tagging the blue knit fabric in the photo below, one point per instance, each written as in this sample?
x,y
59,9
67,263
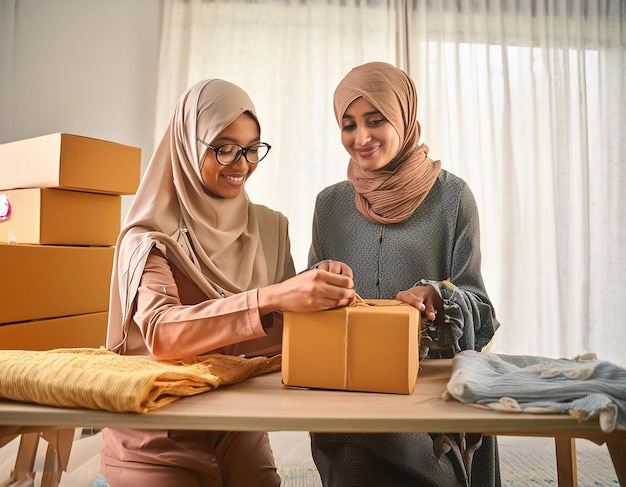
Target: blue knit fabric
x,y
582,387
99,482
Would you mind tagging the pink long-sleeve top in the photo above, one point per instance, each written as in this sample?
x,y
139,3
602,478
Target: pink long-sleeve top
x,y
174,319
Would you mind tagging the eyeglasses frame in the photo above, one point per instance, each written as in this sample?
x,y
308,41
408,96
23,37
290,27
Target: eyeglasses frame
x,y
244,152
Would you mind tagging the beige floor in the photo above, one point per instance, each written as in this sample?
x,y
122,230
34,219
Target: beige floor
x,y
524,462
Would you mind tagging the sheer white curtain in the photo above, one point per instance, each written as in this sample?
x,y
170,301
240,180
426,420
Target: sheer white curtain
x,y
525,100
522,99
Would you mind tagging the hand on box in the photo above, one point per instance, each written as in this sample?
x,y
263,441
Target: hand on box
x,y
313,290
424,298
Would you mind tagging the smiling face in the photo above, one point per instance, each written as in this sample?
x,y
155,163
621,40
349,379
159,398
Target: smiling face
x,y
368,136
228,181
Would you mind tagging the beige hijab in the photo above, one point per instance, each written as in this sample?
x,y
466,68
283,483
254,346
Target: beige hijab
x,y
216,242
390,194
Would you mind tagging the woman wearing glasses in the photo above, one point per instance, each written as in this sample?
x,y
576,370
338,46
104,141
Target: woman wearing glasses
x,y
408,230
200,269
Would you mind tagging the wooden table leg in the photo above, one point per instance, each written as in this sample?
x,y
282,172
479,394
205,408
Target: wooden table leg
x,y
57,455
566,469
25,461
617,450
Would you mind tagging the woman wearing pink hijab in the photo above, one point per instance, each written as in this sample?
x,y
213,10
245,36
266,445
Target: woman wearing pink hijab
x,y
409,230
201,269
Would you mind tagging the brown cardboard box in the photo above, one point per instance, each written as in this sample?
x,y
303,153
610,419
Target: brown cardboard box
x,y
371,348
43,281
88,330
60,217
68,161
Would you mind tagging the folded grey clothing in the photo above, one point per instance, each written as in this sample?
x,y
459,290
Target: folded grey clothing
x,y
583,386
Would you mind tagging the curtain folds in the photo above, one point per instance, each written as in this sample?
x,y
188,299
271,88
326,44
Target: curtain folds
x,y
524,100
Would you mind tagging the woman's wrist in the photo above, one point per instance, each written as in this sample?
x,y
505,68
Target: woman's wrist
x,y
268,299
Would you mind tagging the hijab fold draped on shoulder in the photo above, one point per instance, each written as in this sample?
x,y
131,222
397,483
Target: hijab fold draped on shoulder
x,y
390,194
215,241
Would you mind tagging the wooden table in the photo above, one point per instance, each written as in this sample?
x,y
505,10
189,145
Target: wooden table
x,y
263,403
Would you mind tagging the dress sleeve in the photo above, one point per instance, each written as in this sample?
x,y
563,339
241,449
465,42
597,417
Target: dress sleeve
x,y
172,330
469,320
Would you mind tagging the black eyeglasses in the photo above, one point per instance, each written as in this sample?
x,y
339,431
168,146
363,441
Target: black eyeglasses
x,y
229,154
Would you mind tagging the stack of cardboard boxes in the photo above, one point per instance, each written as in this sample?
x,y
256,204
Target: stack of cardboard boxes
x,y
60,215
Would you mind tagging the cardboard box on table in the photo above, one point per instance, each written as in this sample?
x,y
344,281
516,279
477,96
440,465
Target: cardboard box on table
x,y
369,348
61,217
86,330
67,161
46,281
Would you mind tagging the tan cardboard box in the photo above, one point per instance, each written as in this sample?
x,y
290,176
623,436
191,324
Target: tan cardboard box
x,y
373,348
43,281
69,161
60,217
88,330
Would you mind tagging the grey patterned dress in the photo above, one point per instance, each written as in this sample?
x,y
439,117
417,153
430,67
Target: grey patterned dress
x,y
438,243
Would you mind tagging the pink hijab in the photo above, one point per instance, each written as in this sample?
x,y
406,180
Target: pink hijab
x,y
216,242
390,194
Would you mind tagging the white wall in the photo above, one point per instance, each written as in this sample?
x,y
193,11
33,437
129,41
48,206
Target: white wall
x,y
87,67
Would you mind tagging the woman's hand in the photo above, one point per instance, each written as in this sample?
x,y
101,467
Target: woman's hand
x,y
425,298
335,267
328,286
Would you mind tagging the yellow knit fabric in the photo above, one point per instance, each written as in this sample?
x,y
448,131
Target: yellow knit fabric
x,y
96,378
